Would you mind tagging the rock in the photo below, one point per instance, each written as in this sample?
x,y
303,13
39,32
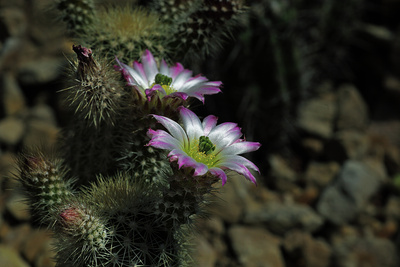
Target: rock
x,y
231,201
354,143
40,71
256,247
7,169
16,205
302,247
365,251
36,244
16,236
360,180
13,100
316,115
204,255
280,218
356,183
313,147
352,109
10,257
392,208
335,206
321,174
44,113
40,133
11,130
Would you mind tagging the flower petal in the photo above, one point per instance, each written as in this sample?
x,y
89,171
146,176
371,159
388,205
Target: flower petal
x,y
241,169
240,148
174,128
161,139
149,65
209,123
219,173
191,123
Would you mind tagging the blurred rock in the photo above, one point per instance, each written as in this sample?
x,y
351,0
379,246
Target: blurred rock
x,y
44,113
12,98
232,198
321,174
40,133
352,109
10,257
312,146
365,251
302,247
280,218
11,130
204,255
392,208
356,183
15,237
336,206
316,115
16,205
40,71
36,244
256,247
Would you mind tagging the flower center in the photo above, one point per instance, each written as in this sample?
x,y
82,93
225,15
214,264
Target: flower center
x,y
205,145
165,83
201,151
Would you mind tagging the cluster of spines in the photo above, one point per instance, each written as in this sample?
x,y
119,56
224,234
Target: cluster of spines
x,y
96,93
126,32
175,10
204,29
99,100
138,234
44,181
185,197
77,14
82,235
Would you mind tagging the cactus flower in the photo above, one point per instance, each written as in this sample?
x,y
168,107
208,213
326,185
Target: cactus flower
x,y
204,146
175,81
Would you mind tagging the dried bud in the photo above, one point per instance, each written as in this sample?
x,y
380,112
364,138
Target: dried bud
x,y
86,61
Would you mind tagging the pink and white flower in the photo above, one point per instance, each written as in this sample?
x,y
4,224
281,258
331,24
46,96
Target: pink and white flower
x,y
174,81
204,146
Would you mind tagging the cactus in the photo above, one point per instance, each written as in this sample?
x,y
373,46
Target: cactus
x,y
77,14
136,166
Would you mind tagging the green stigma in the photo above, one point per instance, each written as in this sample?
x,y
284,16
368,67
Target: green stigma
x,y
163,80
205,145
165,83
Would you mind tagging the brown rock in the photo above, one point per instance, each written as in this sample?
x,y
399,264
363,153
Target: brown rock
x,y
316,115
231,201
40,133
302,247
11,130
10,257
16,237
16,205
321,174
256,247
36,244
205,255
352,110
13,100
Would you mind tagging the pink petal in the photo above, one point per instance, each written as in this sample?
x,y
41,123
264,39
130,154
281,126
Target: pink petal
x,y
219,173
191,123
241,147
241,169
209,123
176,70
174,128
149,65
